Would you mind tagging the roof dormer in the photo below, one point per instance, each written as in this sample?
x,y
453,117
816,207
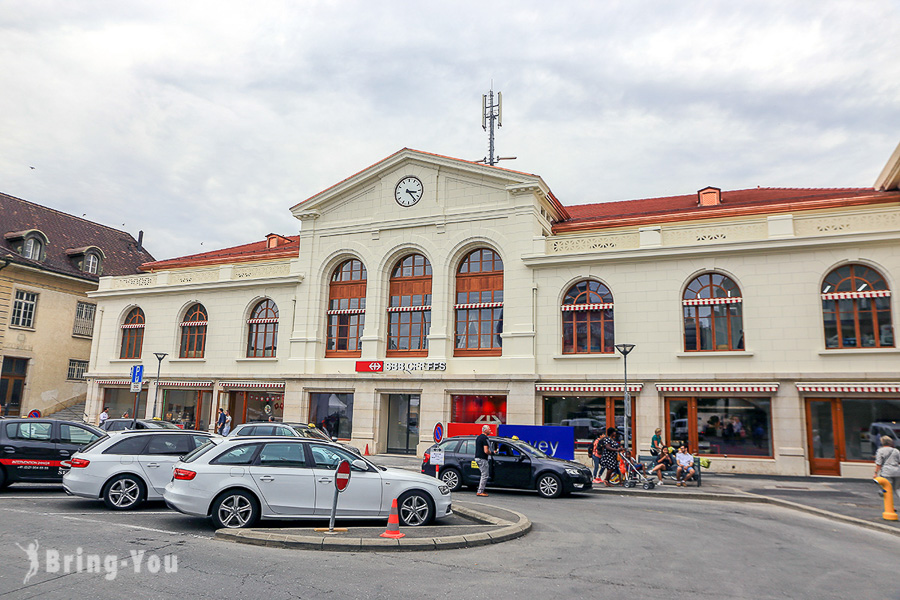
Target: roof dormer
x,y
709,196
273,240
87,259
30,243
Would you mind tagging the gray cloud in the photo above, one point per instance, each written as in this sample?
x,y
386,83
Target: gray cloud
x,y
204,121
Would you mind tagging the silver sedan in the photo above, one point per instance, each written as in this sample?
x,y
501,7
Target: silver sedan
x,y
237,481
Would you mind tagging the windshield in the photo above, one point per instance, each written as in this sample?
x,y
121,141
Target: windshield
x,y
310,432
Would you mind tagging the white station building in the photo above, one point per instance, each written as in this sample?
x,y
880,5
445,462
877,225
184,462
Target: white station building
x,y
428,289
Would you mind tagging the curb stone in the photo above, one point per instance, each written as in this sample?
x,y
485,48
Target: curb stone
x,y
506,531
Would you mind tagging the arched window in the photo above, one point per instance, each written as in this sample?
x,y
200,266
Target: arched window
x,y
856,304
193,332
409,311
33,248
91,263
479,304
713,319
262,337
132,334
587,317
346,309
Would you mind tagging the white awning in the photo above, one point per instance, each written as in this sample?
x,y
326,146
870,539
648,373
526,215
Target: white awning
x,y
703,388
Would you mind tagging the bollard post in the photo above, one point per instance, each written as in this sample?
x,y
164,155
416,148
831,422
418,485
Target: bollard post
x,y
889,513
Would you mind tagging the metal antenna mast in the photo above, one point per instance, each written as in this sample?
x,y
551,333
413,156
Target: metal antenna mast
x,y
492,113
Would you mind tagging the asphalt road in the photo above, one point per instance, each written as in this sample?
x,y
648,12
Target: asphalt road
x,y
587,546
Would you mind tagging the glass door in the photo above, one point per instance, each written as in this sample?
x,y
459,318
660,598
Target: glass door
x,y
403,423
824,446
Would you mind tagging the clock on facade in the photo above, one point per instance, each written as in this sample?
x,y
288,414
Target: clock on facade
x,y
408,191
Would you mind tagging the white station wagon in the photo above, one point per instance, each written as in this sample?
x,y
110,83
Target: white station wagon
x,y
237,481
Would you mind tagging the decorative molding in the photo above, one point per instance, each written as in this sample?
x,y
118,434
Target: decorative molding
x,y
711,234
622,241
873,220
260,271
133,281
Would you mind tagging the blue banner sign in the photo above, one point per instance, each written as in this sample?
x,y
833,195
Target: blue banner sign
x,y
555,441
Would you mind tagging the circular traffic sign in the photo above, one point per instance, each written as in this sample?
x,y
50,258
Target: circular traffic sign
x,y
438,433
35,414
342,477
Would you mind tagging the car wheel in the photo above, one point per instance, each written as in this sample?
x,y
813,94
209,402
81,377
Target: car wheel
x,y
124,492
234,510
451,478
549,486
415,509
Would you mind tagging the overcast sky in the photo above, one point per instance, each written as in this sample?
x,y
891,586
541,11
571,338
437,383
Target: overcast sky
x,y
203,122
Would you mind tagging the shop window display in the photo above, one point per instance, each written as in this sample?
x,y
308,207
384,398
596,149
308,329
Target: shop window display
x,y
865,421
479,409
121,401
732,426
333,413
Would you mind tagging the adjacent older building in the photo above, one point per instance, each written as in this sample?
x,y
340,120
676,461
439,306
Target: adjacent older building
x,y
426,289
49,261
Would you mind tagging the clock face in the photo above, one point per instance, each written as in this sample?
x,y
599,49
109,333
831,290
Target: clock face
x,y
408,191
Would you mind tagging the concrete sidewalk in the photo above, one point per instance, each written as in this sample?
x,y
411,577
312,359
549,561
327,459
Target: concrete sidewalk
x,y
857,501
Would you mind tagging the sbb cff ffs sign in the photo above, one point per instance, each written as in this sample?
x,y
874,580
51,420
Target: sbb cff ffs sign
x,y
369,366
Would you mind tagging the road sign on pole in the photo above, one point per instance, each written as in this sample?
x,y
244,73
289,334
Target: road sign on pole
x,y
137,378
341,481
438,432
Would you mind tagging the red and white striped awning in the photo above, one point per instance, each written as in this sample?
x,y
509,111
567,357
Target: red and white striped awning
x,y
266,320
855,295
743,388
347,311
185,384
115,382
408,308
272,385
133,326
479,305
849,388
193,323
580,307
588,387
711,301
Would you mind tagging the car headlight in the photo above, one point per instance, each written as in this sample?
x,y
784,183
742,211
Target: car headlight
x,y
573,472
443,489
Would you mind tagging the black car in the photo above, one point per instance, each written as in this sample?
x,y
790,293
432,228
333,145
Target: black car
x,y
513,464
123,424
34,450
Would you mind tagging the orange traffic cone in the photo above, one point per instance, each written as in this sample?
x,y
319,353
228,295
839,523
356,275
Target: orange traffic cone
x,y
367,450
393,528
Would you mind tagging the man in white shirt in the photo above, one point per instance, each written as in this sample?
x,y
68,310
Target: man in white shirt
x,y
685,470
104,416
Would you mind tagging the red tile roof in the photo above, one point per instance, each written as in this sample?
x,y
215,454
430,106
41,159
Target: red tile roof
x,y
736,202
289,247
65,232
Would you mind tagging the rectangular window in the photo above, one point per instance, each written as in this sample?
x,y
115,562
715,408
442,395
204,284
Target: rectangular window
x,y
333,413
77,369
590,416
478,409
865,422
84,319
722,426
23,309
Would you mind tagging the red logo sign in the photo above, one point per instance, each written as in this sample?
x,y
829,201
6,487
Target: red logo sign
x,y
369,366
342,477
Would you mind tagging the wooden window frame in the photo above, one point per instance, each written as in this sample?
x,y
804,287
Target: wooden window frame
x,y
410,277
132,335
576,305
710,295
471,289
831,304
193,332
348,286
262,324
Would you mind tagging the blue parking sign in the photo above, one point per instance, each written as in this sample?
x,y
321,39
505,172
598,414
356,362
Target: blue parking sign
x,y
137,374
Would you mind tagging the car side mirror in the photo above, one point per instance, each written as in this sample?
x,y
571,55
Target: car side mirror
x,y
360,465
521,458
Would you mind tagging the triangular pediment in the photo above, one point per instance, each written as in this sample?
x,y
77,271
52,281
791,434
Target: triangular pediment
x,y
411,184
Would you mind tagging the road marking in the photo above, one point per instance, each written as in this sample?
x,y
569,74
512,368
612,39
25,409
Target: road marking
x,y
108,523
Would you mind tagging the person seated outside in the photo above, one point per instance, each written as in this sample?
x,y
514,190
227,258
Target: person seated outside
x,y
685,470
663,463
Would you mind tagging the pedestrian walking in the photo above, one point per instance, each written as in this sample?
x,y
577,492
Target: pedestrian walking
x,y
226,428
482,451
887,463
220,421
104,415
596,453
609,457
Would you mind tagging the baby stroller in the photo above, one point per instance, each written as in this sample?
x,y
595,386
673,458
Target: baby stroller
x,y
633,473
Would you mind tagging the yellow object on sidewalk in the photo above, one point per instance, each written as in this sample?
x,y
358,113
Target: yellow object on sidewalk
x,y
889,513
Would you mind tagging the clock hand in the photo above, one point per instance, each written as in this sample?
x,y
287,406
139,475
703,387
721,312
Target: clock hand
x,y
411,193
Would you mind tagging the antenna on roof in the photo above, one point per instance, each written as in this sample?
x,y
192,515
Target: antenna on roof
x,y
492,113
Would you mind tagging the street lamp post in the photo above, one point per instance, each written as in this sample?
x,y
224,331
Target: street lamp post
x,y
624,349
159,357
